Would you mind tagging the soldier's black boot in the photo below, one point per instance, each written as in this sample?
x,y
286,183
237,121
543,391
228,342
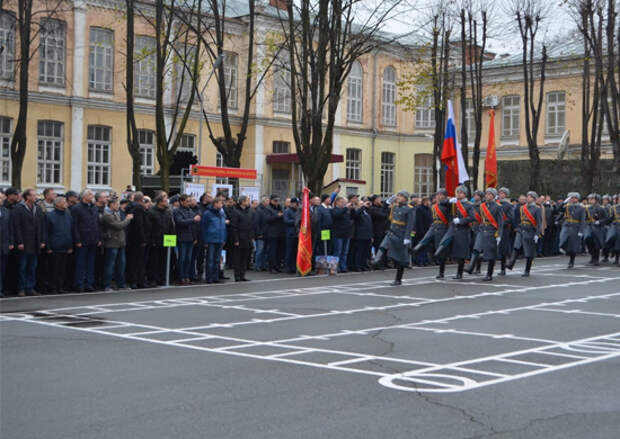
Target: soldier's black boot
x,y
489,276
440,251
571,261
512,261
417,248
617,260
442,269
398,280
605,255
528,266
502,271
595,257
459,269
478,266
475,258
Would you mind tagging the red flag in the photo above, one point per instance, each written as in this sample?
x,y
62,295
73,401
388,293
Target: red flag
x,y
490,163
304,247
449,158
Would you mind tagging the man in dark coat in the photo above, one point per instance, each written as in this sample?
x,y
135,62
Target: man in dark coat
x,y
478,199
397,240
12,261
161,223
505,245
380,215
596,221
458,237
291,236
326,222
262,252
242,229
6,241
274,231
342,231
59,225
616,225
609,209
528,221
138,234
28,223
573,218
362,236
489,233
87,239
442,218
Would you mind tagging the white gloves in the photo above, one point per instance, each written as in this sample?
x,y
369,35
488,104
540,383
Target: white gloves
x,y
452,200
406,241
580,234
456,221
597,222
498,240
535,239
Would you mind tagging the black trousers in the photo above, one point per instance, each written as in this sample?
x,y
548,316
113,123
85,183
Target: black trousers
x,y
275,253
69,270
361,253
240,261
99,267
135,265
44,274
57,271
157,265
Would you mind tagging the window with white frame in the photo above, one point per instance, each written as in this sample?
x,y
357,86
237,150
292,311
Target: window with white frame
x,y
281,147
52,52
50,147
355,93
353,163
144,67
101,59
556,113
425,113
5,150
423,175
387,173
603,119
470,122
388,102
188,143
147,151
7,41
230,61
282,91
511,109
183,71
219,162
99,150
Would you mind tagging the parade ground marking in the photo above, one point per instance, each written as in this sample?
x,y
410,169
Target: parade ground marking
x,y
260,310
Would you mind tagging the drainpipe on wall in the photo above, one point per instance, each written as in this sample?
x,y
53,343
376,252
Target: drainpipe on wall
x,y
373,113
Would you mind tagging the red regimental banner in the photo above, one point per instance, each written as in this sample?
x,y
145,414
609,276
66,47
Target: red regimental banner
x,y
213,171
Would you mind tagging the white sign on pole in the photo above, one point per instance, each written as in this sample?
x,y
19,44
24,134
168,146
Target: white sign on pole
x,y
195,189
253,193
226,189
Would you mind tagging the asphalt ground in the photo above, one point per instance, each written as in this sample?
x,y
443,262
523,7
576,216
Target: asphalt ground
x,y
345,356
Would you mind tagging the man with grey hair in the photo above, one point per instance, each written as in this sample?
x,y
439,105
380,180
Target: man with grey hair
x,y
59,224
87,239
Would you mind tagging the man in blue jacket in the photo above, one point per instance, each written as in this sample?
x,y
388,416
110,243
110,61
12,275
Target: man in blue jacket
x,y
213,232
86,236
59,225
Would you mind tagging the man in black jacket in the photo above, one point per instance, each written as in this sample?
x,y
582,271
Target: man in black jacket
x,y
380,215
28,223
160,218
87,239
6,240
274,232
260,258
362,237
242,230
12,260
138,234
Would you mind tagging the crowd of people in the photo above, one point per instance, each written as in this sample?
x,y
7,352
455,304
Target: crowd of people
x,y
53,244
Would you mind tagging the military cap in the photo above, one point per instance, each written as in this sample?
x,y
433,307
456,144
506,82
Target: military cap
x,y
479,193
463,189
491,190
295,200
403,193
505,190
574,195
442,191
606,197
532,194
597,197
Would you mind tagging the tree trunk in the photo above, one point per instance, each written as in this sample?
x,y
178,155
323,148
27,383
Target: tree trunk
x,y
133,145
19,141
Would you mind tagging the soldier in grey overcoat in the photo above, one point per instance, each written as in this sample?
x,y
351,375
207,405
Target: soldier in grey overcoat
x,y
596,222
573,217
397,240
442,218
478,199
528,224
505,245
489,233
615,223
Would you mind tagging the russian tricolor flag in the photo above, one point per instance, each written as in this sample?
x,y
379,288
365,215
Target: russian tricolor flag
x,y
451,155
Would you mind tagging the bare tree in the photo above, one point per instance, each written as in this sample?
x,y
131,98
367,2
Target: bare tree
x,y
529,15
133,144
323,40
611,90
28,22
170,33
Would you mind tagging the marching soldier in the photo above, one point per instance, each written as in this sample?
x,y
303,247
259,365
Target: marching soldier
x,y
478,199
398,238
573,216
505,245
609,209
441,220
528,222
596,219
459,232
489,234
616,233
